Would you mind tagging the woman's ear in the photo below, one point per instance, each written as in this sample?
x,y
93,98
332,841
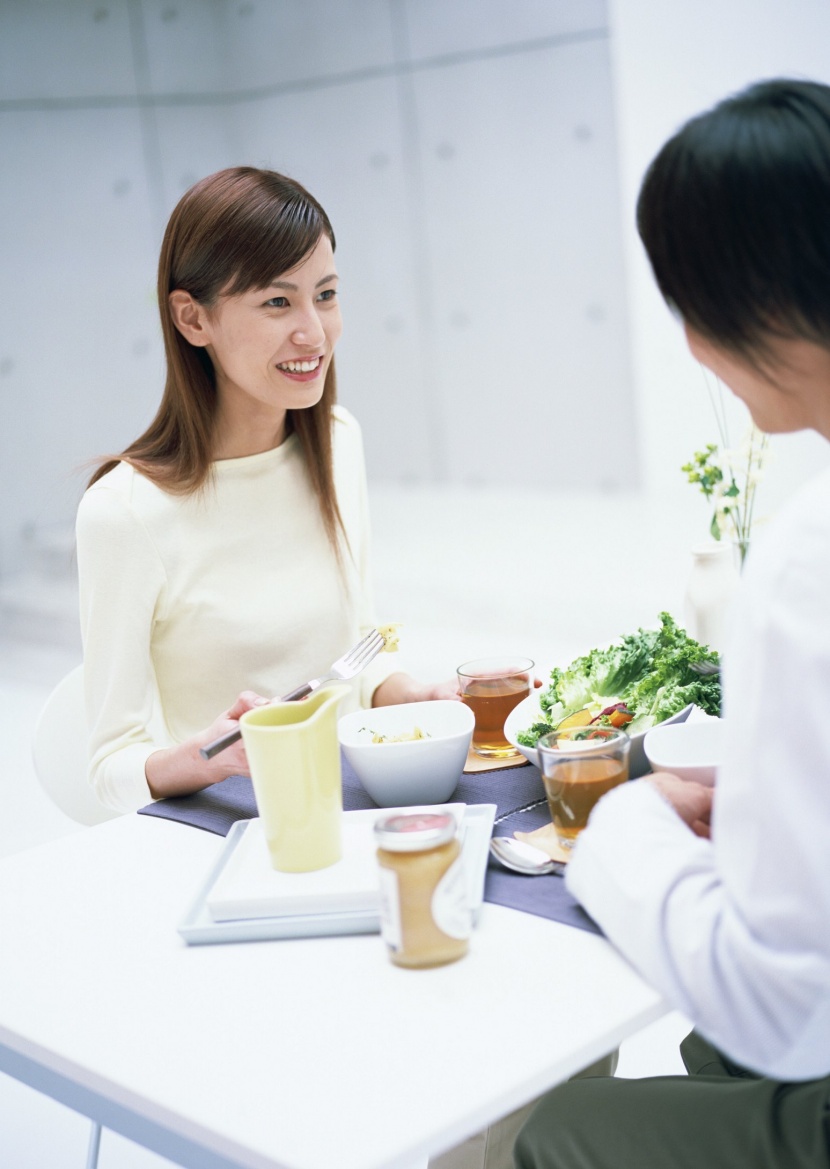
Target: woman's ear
x,y
189,317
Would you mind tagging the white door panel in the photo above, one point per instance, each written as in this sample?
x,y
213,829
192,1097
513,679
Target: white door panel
x,y
436,27
521,204
344,145
53,49
80,352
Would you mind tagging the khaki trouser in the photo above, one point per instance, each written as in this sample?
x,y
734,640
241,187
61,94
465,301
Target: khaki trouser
x,y
493,1148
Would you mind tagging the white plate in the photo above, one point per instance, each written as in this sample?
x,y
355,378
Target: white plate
x,y
197,927
529,712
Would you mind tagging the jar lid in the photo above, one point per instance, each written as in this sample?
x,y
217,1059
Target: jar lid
x,y
414,831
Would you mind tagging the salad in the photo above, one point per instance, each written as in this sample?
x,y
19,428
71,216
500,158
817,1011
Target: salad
x,y
639,681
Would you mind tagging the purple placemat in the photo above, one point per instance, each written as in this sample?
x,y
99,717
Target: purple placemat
x,y
517,793
543,896
217,808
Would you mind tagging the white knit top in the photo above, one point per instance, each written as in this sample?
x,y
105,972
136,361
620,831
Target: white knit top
x,y
188,600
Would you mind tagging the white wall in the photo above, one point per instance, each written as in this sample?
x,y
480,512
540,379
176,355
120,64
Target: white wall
x,y
671,61
465,152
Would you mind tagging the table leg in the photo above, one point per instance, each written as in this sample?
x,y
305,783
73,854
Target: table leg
x,y
94,1146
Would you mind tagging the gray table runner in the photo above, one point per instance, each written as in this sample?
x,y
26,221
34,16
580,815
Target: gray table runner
x,y
517,793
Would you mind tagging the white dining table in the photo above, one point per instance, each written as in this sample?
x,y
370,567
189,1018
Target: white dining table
x,y
300,1054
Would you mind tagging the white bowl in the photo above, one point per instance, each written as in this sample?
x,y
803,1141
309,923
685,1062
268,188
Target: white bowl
x,y
529,712
692,750
423,771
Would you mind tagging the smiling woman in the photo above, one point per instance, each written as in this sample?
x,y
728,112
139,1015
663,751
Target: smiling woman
x,y
225,552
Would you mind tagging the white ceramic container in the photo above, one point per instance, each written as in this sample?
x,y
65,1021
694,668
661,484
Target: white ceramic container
x,y
692,750
425,771
710,590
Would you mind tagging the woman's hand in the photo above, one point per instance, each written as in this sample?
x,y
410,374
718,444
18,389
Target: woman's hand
x,y
692,801
181,770
233,760
398,688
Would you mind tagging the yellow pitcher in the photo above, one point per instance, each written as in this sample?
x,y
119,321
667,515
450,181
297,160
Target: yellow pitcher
x,y
294,756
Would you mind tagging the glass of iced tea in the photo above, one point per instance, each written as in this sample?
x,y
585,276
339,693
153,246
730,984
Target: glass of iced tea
x,y
579,765
491,687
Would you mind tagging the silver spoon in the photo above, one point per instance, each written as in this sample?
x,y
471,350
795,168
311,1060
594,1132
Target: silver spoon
x,y
523,858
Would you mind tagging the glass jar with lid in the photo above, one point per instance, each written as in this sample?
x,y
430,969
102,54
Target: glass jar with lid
x,y
425,915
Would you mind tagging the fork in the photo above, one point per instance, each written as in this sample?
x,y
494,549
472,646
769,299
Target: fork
x,y
705,669
342,670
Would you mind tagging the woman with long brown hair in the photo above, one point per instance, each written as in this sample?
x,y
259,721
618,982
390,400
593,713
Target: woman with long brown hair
x,y
224,555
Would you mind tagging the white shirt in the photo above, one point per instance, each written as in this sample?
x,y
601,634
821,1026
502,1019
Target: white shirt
x,y
736,932
188,600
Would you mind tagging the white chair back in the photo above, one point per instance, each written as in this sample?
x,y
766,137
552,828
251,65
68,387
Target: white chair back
x,y
59,750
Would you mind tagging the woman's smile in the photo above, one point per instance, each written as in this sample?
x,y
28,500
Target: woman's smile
x,y
302,369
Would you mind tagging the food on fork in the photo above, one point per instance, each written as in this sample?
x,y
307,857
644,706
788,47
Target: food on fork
x,y
389,633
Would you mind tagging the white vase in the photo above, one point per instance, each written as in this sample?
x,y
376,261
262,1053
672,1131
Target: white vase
x,y
709,593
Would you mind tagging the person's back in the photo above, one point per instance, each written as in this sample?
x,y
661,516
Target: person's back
x,y
735,930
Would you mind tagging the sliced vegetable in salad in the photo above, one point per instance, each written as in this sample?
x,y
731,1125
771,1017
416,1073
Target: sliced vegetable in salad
x,y
412,736
639,681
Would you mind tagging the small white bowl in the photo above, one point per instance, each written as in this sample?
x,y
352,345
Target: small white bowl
x,y
692,750
423,771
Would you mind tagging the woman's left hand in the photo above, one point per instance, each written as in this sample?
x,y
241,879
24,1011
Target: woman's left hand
x,y
447,689
398,688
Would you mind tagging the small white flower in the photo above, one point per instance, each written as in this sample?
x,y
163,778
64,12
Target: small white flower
x,y
733,495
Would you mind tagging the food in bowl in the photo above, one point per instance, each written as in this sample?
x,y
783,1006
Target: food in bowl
x,y
412,736
528,711
409,771
692,750
643,679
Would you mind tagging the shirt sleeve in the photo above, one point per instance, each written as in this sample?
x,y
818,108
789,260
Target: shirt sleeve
x,y
735,931
121,579
354,503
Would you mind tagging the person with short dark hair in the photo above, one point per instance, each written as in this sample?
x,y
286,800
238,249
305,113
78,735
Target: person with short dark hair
x,y
722,899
